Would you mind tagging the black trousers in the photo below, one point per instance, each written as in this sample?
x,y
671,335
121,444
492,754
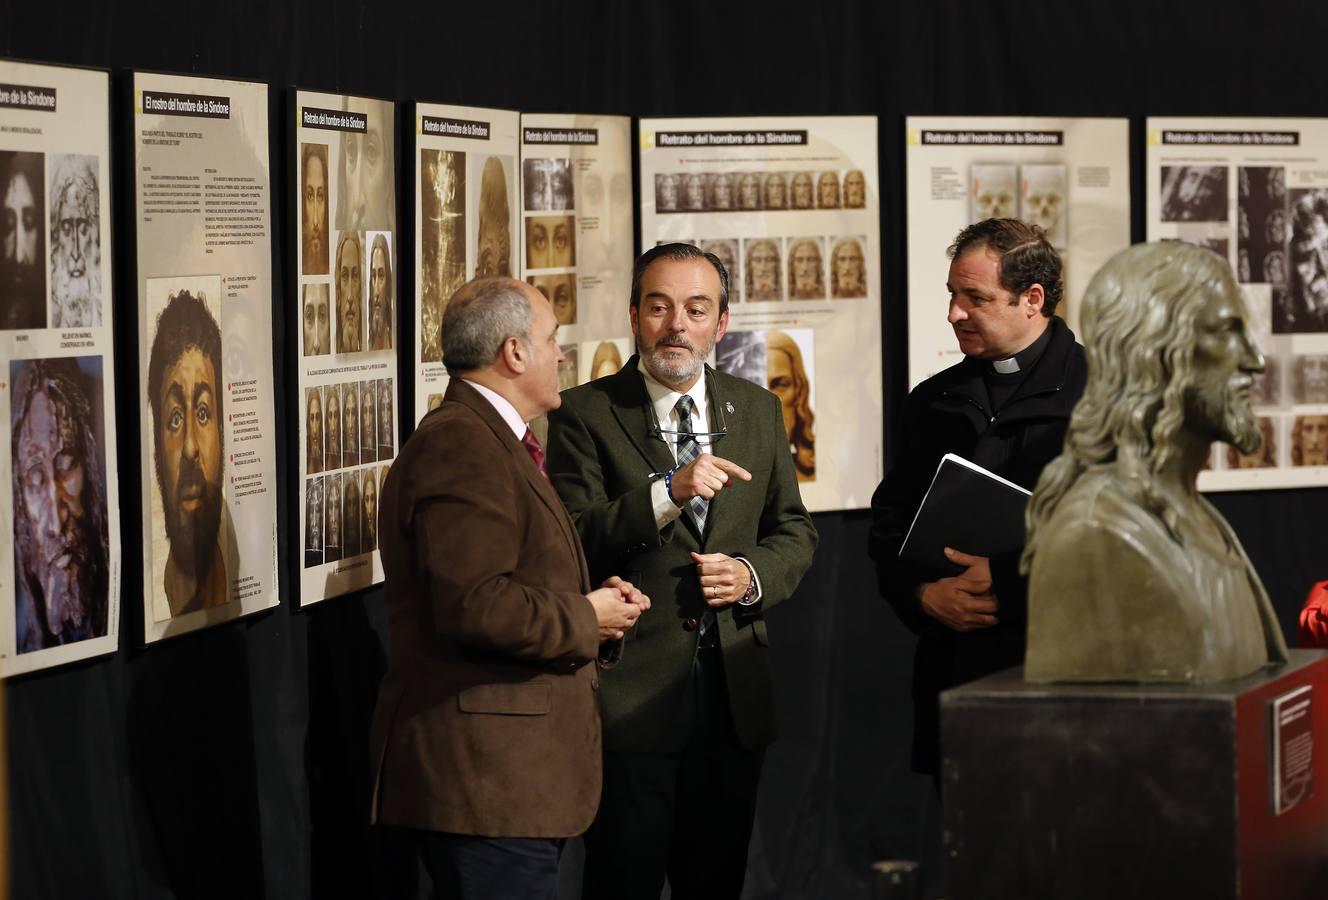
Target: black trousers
x,y
684,812
466,867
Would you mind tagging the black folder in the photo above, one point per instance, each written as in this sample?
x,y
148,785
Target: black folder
x,y
969,509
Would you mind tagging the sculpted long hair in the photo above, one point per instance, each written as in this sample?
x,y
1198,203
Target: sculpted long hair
x,y
1140,358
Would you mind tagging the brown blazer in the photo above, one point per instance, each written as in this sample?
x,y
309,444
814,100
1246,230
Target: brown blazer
x,y
487,720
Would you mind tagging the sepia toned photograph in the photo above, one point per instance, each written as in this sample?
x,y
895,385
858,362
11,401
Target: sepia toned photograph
x,y
827,190
60,512
550,242
668,187
382,315
1044,201
855,189
763,270
993,192
1262,224
368,512
1194,193
332,433
442,242
314,427
351,516
801,191
313,209
749,190
606,359
316,320
1265,457
332,549
23,239
75,242
1309,441
350,424
366,171
493,237
560,291
1266,389
368,422
547,185
350,292
721,192
726,250
313,522
1302,305
806,278
848,268
1310,378
774,191
788,362
433,401
386,420
694,191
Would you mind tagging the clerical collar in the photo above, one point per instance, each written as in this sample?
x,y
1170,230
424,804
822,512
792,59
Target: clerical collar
x,y
1025,358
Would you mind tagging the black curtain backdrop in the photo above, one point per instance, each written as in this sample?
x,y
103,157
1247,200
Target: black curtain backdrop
x,y
233,762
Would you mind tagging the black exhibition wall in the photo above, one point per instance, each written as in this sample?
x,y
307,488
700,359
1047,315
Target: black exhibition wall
x,y
233,762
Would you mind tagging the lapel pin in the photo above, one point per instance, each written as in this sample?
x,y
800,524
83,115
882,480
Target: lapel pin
x,y
729,407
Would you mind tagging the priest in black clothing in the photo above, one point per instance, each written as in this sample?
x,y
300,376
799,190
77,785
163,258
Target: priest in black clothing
x,y
1006,407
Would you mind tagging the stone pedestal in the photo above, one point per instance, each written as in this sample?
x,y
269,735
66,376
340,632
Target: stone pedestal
x,y
1079,792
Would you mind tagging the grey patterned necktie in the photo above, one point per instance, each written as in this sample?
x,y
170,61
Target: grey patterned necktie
x,y
689,450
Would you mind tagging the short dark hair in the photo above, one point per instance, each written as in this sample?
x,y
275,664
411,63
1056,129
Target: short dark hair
x,y
678,253
1026,257
185,323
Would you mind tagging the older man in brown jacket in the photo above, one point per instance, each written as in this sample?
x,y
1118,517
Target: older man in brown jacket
x,y
486,736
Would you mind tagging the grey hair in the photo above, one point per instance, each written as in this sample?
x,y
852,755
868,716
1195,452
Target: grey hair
x,y
479,318
1138,318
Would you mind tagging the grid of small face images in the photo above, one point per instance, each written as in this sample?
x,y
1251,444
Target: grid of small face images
x,y
549,199
689,192
349,435
776,269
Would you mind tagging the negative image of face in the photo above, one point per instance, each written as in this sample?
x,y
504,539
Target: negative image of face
x,y
547,184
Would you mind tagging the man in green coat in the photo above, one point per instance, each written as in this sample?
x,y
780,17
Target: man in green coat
x,y
682,477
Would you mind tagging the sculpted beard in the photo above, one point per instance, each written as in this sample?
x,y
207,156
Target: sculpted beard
x,y
76,289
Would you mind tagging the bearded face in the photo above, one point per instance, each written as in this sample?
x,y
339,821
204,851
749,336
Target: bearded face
x,y
76,251
54,499
189,461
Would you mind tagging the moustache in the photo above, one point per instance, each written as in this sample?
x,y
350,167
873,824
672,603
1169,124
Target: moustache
x,y
190,485
675,341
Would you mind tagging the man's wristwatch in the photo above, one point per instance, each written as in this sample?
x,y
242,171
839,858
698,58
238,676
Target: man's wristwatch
x,y
749,596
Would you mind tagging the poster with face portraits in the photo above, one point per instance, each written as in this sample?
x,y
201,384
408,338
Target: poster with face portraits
x,y
1070,177
346,290
1255,192
790,206
202,207
59,502
467,220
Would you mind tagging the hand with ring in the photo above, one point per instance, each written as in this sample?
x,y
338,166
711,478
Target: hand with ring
x,y
723,579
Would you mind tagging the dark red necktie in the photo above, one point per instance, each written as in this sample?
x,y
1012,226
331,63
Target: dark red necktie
x,y
536,452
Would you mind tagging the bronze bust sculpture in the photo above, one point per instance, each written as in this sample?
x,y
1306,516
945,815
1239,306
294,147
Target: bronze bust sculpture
x,y
1133,576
